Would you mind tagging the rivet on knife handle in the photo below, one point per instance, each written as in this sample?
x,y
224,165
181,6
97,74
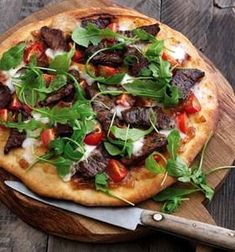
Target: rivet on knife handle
x,y
209,234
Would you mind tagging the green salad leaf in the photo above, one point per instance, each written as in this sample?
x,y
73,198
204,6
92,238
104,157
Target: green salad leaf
x,y
13,57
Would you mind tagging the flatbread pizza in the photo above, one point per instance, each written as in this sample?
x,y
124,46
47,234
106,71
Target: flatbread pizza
x,y
98,106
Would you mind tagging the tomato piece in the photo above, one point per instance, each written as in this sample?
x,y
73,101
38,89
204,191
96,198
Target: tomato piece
x,y
94,138
192,105
106,71
3,115
47,136
182,122
169,58
116,170
15,104
158,158
36,49
113,27
78,55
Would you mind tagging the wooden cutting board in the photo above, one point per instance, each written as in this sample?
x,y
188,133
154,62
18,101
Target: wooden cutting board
x,y
220,151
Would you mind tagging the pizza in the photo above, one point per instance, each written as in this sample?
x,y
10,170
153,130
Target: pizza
x,y
95,105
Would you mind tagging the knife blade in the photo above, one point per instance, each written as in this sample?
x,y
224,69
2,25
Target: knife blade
x,y
131,217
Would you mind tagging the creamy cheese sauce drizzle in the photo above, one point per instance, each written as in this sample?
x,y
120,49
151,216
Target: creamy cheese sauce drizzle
x,y
88,149
28,146
137,146
53,53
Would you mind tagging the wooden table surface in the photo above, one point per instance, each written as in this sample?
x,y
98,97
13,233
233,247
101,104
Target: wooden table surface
x,y
210,24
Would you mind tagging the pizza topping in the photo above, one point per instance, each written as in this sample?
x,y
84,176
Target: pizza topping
x,y
140,117
53,53
14,140
152,142
150,29
116,170
192,105
36,48
63,130
3,115
13,57
182,122
185,79
94,138
47,136
53,38
101,22
5,96
95,163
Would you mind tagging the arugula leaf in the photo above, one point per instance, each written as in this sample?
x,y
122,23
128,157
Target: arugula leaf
x,y
101,182
56,84
171,205
171,192
143,35
112,149
152,165
145,88
209,192
62,62
125,146
31,125
172,96
114,79
173,140
154,51
57,146
13,57
129,134
62,165
91,34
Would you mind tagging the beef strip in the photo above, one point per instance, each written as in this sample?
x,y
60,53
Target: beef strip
x,y
53,38
106,58
139,61
5,96
75,73
14,140
139,117
60,95
63,130
95,163
101,22
152,142
151,29
185,79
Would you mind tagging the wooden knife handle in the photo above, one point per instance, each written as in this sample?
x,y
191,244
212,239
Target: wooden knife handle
x,y
206,233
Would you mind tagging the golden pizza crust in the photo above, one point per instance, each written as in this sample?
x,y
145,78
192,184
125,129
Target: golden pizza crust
x,y
43,178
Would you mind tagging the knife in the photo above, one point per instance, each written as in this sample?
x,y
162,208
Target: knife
x,y
131,217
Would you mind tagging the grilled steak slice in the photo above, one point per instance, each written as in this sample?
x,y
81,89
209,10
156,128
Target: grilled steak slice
x,y
151,29
101,22
5,96
61,94
75,74
54,38
95,163
63,130
14,140
139,61
106,58
152,142
103,107
140,117
185,79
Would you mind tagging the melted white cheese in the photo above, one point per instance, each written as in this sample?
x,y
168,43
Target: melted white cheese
x,y
87,78
10,75
53,53
38,117
127,78
118,110
88,150
178,53
166,132
137,146
28,146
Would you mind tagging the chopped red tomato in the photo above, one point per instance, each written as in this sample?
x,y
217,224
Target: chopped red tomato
x,y
106,71
47,136
158,158
125,100
94,138
15,104
116,170
192,105
182,122
48,78
36,49
113,27
3,114
169,58
78,55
